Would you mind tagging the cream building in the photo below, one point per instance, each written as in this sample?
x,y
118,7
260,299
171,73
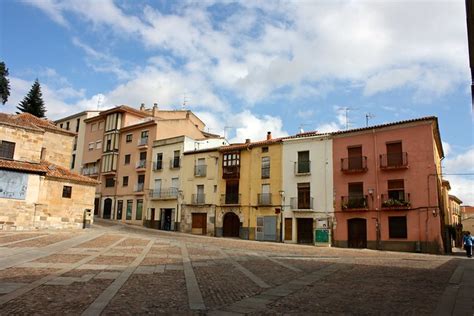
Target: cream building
x,y
308,187
75,123
37,190
172,185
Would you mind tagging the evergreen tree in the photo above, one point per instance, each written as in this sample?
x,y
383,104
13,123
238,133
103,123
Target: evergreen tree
x,y
4,83
33,102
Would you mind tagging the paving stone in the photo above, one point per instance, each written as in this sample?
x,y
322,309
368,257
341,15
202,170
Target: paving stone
x,y
144,270
106,275
173,267
6,287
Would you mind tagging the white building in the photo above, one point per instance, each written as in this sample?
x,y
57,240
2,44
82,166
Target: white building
x,y
308,186
166,192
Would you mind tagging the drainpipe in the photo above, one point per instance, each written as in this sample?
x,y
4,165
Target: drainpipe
x,y
375,203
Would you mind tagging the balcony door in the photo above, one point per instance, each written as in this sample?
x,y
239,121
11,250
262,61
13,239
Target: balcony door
x,y
232,192
394,154
303,162
157,188
304,195
355,157
200,194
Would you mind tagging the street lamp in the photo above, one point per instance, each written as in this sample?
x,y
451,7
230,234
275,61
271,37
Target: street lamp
x,y
282,200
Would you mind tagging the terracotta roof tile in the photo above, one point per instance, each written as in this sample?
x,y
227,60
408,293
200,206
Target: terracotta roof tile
x,y
31,122
48,169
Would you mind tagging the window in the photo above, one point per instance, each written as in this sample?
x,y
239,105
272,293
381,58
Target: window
x,y
125,181
394,154
128,138
109,182
265,197
231,165
93,127
231,160
109,145
98,144
73,161
67,125
396,190
143,155
67,191
91,146
119,209
304,196
397,227
78,122
159,161
355,157
129,209
303,164
43,153
144,134
143,138
101,125
265,167
232,192
138,214
127,159
264,149
61,125
141,179
7,149
200,194
175,161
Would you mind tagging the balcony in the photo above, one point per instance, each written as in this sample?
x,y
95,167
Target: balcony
x,y
175,163
141,164
394,161
143,141
231,172
90,171
200,170
198,199
164,194
354,202
301,204
139,187
354,164
264,199
230,199
400,201
302,168
157,165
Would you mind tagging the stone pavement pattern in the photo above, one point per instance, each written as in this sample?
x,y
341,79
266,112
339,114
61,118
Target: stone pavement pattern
x,y
122,270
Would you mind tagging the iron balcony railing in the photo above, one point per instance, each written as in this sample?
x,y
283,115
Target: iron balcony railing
x,y
354,164
231,172
141,164
143,141
302,167
198,199
394,160
90,171
264,199
164,193
200,170
398,200
158,165
352,202
175,163
230,199
139,187
301,203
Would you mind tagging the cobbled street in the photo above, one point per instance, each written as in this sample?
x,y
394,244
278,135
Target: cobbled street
x,y
121,270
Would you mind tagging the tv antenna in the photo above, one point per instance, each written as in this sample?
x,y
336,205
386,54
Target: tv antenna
x,y
185,101
367,117
99,101
346,110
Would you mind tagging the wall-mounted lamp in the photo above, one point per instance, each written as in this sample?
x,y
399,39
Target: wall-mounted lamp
x,y
371,191
435,213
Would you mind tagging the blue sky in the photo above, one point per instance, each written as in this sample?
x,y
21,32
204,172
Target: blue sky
x,y
252,66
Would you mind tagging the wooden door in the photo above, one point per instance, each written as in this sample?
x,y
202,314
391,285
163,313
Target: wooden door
x,y
288,229
231,225
394,154
355,157
199,223
304,230
107,208
357,233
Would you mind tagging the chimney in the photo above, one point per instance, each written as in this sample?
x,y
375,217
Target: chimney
x,y
269,135
155,110
247,140
142,107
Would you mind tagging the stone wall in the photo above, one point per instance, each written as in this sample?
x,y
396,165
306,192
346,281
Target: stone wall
x,y
58,148
27,143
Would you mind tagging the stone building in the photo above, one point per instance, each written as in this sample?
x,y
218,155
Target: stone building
x,y
37,189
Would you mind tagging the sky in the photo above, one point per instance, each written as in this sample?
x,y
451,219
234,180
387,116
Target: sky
x,y
249,67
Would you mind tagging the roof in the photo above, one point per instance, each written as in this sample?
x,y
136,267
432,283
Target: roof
x,y
31,122
455,198
198,151
76,115
47,169
240,146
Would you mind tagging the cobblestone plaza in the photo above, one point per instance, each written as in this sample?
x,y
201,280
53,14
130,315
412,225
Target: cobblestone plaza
x,y
122,270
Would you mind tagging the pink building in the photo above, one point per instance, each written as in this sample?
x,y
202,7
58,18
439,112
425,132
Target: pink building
x,y
387,184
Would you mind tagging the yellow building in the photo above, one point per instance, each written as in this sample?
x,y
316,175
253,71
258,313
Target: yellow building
x,y
251,190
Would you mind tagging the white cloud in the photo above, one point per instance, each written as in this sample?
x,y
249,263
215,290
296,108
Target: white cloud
x,y
250,126
446,148
379,47
459,170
